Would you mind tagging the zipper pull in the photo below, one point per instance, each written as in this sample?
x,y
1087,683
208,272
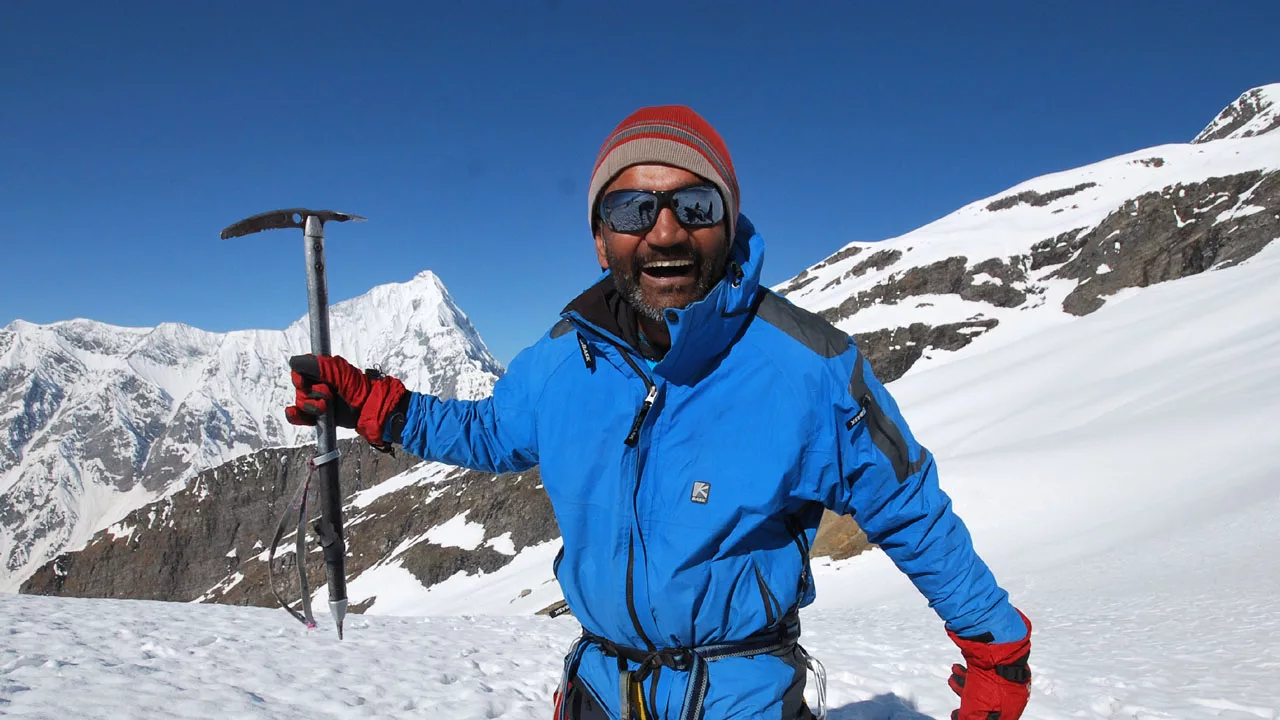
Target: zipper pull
x,y
634,436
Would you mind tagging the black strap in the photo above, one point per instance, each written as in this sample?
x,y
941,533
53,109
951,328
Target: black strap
x,y
298,504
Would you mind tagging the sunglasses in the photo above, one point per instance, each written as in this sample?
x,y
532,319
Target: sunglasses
x,y
636,211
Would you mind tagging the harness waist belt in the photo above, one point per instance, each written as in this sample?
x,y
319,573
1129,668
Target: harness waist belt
x,y
691,659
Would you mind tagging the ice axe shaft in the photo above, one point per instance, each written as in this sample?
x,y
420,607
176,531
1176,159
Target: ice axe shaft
x,y
329,527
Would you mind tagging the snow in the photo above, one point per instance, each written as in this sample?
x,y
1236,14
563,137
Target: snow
x,y
426,473
1102,269
1118,473
457,532
502,544
121,530
503,592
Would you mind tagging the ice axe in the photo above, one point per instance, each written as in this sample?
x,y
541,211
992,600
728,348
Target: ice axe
x,y
325,463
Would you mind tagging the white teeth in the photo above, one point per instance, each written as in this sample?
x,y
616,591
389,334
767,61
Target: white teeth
x,y
668,263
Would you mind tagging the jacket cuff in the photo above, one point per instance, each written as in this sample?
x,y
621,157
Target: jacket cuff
x,y
394,428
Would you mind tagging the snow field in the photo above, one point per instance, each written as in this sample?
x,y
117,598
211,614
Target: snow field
x,y
62,658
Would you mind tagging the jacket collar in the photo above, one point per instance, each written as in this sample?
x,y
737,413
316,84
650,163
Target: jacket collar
x,y
701,332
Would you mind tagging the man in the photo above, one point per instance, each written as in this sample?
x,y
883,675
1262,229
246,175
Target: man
x,y
691,426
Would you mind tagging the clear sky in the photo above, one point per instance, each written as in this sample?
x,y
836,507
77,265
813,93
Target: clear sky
x,y
131,133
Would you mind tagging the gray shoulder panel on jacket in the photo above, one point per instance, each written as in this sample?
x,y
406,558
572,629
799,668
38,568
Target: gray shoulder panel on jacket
x,y
561,328
803,326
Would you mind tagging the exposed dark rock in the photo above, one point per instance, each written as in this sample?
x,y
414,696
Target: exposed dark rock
x,y
1173,233
1056,250
802,280
805,278
1036,199
177,548
841,255
893,352
950,276
878,261
1000,293
1151,162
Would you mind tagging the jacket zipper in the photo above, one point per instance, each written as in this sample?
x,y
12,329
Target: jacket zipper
x,y
766,595
632,440
631,594
802,544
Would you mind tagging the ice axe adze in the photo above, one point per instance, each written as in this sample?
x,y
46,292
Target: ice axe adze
x,y
325,463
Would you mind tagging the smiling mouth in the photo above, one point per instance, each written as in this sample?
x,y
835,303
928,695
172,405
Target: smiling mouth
x,y
664,269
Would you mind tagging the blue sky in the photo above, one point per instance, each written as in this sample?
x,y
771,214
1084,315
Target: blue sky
x,y
131,133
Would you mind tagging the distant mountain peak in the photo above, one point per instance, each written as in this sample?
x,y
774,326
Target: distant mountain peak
x,y
1255,112
97,419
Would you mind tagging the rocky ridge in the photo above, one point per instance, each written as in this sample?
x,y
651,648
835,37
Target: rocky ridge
x,y
209,542
1062,244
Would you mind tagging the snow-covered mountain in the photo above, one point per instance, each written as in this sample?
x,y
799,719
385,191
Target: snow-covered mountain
x,y
1255,112
99,420
1058,246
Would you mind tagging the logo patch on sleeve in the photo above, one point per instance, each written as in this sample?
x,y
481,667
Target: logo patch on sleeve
x,y
701,492
856,419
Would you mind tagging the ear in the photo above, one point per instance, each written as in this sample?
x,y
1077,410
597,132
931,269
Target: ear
x,y
601,256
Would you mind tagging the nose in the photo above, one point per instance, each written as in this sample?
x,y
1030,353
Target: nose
x,y
667,231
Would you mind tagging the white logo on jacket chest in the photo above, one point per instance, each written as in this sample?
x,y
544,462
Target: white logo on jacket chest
x,y
701,492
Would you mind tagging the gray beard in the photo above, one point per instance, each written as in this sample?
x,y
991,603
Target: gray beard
x,y
627,280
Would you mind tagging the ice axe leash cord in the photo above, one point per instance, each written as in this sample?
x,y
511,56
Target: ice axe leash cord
x,y
324,464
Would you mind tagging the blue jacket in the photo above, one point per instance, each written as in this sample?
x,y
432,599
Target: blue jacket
x,y
688,490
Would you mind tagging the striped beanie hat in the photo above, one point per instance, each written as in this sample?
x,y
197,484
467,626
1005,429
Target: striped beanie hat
x,y
666,135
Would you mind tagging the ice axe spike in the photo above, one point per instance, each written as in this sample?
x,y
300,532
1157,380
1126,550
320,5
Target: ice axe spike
x,y
329,528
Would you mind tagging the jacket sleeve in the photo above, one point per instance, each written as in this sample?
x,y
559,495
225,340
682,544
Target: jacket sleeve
x,y
888,482
497,434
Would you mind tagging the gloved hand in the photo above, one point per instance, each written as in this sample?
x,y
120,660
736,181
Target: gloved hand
x,y
359,400
997,682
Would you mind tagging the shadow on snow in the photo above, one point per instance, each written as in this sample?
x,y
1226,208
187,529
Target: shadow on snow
x,y
880,707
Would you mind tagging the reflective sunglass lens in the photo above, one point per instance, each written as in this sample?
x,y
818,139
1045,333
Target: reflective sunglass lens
x,y
636,211
630,211
698,206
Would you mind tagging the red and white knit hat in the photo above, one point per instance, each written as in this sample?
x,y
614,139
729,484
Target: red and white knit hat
x,y
668,135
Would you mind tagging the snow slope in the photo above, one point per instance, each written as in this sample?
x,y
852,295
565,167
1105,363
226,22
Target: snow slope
x,y
1066,206
1119,474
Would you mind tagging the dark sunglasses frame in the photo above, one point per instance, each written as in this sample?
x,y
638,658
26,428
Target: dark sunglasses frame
x,y
663,198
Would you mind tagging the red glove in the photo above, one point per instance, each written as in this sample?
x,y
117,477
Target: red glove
x,y
359,400
997,683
